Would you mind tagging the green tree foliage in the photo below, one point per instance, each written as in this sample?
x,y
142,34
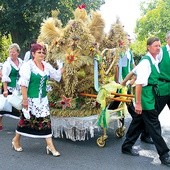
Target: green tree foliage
x,y
22,18
4,41
139,49
154,21
146,6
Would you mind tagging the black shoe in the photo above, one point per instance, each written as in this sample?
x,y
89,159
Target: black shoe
x,y
147,140
131,152
165,160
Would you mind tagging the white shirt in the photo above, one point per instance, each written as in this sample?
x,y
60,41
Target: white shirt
x,y
161,53
1,64
27,56
143,70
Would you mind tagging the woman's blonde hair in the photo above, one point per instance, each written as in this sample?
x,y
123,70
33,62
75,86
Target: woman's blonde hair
x,y
16,46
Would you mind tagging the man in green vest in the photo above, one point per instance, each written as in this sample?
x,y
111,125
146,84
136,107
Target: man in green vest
x,y
147,73
130,64
126,64
164,78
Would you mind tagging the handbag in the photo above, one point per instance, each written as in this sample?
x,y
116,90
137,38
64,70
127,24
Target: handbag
x,y
16,100
4,104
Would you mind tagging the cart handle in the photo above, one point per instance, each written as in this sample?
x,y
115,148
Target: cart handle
x,y
115,99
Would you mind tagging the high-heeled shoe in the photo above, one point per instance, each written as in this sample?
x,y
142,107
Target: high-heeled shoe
x,y
15,148
54,153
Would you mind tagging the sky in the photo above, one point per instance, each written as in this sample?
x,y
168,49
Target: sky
x,y
127,10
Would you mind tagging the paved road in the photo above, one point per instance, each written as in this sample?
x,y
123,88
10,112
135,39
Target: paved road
x,y
84,155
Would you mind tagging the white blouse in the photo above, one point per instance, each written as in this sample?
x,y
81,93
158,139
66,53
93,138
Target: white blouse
x,y
30,66
6,69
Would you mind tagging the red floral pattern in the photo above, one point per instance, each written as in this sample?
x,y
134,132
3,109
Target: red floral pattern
x,y
35,123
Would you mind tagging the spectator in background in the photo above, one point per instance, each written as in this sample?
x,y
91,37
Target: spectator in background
x,y
10,77
28,53
126,63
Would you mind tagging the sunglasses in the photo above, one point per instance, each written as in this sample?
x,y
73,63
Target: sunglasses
x,y
39,52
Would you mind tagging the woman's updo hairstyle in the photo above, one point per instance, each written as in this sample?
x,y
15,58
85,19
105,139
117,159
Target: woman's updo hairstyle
x,y
36,47
15,46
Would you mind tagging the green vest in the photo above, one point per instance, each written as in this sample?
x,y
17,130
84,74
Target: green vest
x,y
164,66
14,76
129,66
37,86
148,95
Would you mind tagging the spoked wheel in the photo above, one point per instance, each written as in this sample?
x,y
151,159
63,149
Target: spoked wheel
x,y
101,141
120,132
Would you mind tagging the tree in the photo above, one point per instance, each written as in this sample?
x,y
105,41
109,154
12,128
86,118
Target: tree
x,y
146,6
154,21
4,44
22,19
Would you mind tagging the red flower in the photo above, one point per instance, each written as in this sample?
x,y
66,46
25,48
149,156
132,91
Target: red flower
x,y
121,43
82,6
40,125
65,102
21,122
52,104
70,58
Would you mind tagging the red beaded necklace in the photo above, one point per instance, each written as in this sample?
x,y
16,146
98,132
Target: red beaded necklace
x,y
41,67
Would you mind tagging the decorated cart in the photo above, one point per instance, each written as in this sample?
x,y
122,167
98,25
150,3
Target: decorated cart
x,y
81,102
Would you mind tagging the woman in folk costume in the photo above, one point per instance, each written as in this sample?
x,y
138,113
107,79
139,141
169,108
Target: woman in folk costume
x,y
35,119
28,53
10,77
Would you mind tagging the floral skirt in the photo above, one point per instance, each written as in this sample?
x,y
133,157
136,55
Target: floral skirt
x,y
39,124
35,127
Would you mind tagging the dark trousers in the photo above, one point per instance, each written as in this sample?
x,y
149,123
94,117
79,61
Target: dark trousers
x,y
136,128
135,116
161,101
152,122
148,118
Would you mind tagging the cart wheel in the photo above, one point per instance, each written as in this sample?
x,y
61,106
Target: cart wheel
x,y
101,142
120,132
